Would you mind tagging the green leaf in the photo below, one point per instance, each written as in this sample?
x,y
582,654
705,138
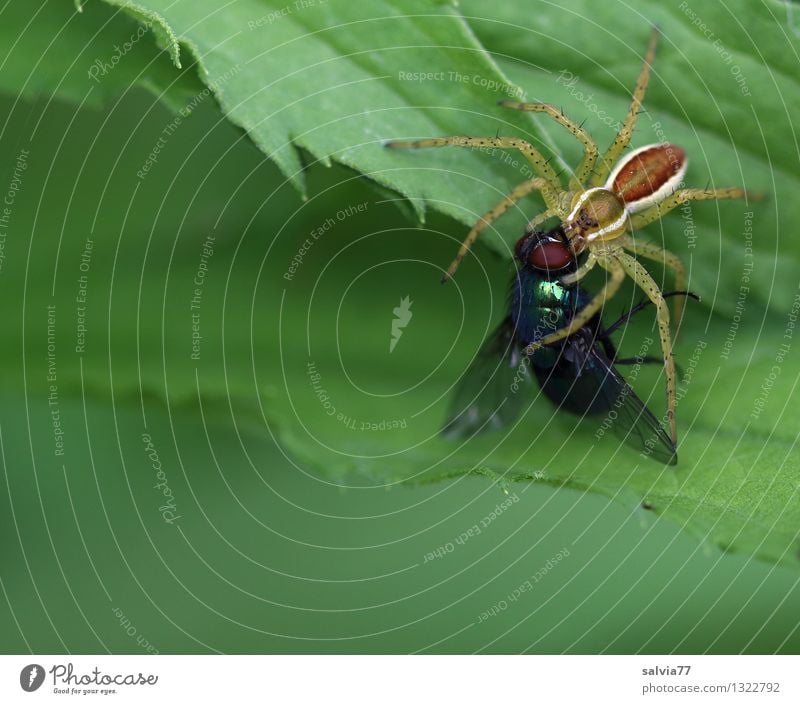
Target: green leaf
x,y
297,304
341,87
87,57
165,37
339,79
269,554
725,87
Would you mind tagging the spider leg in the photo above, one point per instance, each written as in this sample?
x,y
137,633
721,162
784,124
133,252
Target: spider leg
x,y
623,138
531,153
644,281
581,271
540,218
590,151
652,251
584,315
657,211
520,191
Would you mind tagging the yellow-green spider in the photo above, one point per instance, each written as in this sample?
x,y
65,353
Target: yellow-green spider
x,y
605,198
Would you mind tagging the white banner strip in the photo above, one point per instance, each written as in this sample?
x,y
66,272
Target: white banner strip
x,y
351,679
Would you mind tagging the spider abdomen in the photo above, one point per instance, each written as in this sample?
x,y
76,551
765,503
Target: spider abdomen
x,y
648,175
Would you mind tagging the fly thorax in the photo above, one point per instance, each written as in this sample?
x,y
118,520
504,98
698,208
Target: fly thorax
x,y
553,303
597,215
552,295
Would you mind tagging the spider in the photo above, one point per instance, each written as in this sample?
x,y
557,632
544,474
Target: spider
x,y
606,197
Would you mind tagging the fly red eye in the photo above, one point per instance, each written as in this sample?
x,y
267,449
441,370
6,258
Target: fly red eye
x,y
550,256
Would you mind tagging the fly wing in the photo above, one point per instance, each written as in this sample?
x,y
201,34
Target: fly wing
x,y
629,418
494,389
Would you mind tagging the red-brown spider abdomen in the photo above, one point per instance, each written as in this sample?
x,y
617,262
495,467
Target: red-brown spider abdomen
x,y
648,175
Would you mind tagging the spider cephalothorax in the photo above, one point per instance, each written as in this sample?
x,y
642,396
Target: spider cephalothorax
x,y
606,197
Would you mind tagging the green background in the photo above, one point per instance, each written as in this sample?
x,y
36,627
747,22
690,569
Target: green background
x,y
280,547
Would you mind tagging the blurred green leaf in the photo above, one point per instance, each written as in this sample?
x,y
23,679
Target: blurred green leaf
x,y
269,555
294,324
306,359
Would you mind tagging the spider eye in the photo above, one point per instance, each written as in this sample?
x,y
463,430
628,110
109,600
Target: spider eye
x,y
550,255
